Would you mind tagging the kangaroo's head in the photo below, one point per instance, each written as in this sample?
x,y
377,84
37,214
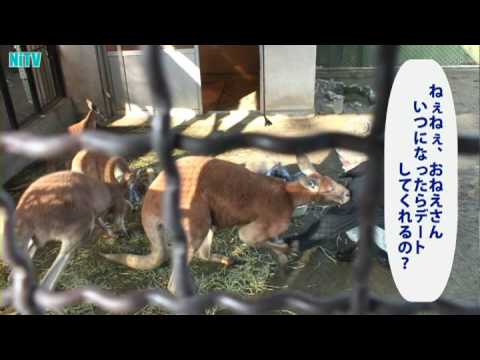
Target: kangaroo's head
x,y
95,114
319,187
118,172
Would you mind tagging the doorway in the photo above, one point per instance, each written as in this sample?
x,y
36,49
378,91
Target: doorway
x,y
230,77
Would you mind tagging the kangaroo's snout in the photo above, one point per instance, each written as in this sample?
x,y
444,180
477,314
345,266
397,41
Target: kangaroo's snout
x,y
346,197
341,195
332,192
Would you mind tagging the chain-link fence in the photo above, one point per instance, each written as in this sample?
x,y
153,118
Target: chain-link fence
x,y
28,298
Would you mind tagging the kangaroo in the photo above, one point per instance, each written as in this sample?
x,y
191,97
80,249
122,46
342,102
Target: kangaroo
x,y
217,194
65,206
111,170
89,122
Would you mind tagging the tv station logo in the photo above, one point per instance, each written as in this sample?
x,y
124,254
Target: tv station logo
x,y
24,59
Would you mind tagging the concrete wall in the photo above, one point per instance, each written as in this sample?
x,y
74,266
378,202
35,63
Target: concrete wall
x,y
290,78
81,73
56,120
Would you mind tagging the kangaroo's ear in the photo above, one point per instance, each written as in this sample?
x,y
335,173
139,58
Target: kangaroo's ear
x,y
90,104
305,165
119,174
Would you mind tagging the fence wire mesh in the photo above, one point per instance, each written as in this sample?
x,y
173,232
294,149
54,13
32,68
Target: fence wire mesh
x,y
365,55
28,298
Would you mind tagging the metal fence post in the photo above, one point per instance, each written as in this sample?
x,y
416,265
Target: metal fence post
x,y
7,99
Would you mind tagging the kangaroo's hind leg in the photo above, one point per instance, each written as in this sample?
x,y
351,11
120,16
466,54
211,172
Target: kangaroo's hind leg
x,y
31,248
105,227
51,278
260,234
173,282
196,225
67,250
204,252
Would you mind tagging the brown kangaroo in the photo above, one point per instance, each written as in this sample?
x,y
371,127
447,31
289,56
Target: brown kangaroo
x,y
217,194
65,206
111,170
89,122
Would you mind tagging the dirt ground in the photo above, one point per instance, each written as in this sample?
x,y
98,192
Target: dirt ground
x,y
315,272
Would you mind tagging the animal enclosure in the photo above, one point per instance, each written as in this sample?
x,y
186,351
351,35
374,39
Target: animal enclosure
x,y
26,297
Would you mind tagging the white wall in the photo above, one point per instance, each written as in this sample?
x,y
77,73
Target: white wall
x,y
290,78
184,89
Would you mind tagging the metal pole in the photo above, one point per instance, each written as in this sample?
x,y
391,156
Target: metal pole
x,y
31,85
105,79
7,99
124,71
52,53
264,92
